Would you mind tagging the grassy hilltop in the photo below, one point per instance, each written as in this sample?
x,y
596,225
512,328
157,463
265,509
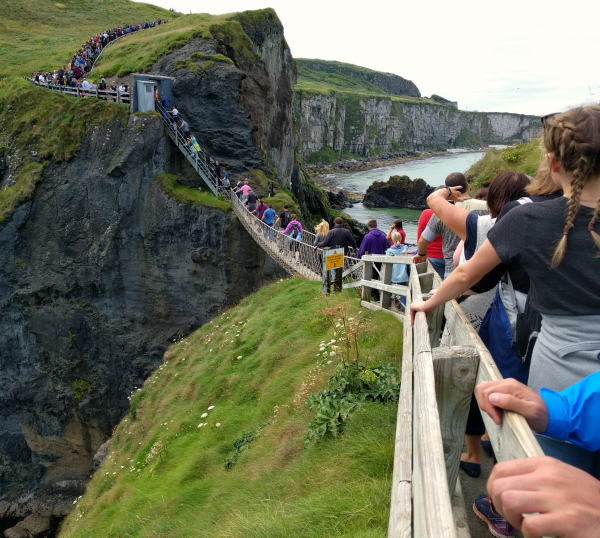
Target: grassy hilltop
x,y
344,79
42,34
180,468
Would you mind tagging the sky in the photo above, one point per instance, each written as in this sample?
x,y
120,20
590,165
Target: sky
x,y
523,56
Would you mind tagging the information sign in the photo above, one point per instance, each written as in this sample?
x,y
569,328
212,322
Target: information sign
x,y
334,258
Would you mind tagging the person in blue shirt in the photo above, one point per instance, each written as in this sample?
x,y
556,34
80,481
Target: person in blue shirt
x,y
269,218
399,270
570,415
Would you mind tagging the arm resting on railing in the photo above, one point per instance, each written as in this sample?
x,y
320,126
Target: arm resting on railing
x,y
461,279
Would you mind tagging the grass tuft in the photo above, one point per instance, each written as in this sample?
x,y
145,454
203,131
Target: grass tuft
x,y
185,195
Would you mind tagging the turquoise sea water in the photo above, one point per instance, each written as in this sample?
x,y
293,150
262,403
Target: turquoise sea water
x,y
433,170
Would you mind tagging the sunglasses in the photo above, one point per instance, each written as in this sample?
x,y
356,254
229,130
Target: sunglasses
x,y
545,118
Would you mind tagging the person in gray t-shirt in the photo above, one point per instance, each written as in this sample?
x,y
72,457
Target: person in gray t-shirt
x,y
449,239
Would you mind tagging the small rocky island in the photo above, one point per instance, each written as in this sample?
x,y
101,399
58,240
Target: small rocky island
x,y
398,191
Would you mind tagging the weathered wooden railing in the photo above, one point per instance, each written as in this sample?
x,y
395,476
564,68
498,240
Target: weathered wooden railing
x,y
439,374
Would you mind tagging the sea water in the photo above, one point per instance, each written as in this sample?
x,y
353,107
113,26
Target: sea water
x,y
433,170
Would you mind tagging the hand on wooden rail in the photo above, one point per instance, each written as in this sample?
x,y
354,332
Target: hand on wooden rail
x,y
511,395
562,500
420,306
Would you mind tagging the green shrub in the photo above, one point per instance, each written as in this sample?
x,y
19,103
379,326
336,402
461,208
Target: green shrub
x,y
80,387
325,155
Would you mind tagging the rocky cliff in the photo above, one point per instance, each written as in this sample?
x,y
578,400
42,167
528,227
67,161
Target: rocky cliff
x,y
364,125
236,88
98,272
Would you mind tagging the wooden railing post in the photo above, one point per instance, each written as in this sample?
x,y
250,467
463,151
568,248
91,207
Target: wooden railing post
x,y
455,372
367,275
386,276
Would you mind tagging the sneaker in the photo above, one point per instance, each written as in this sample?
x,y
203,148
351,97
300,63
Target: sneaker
x,y
484,510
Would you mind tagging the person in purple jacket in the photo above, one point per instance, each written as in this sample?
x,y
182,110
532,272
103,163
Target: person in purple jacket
x,y
375,242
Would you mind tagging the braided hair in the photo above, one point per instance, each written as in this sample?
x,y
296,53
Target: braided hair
x,y
574,140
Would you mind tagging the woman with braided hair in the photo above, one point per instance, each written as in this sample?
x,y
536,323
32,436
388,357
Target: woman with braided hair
x,y
558,245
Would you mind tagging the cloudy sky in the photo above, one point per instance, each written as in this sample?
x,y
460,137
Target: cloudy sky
x,y
524,56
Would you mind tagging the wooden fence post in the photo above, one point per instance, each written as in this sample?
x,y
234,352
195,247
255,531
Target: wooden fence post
x,y
386,276
326,278
455,371
367,275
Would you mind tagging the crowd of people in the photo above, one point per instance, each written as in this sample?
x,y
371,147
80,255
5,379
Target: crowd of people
x,y
74,74
526,270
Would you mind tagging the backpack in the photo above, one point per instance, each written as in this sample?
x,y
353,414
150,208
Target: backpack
x,y
295,231
287,217
529,322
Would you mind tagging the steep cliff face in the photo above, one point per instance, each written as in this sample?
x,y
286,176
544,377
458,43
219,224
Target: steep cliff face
x,y
98,271
370,125
236,90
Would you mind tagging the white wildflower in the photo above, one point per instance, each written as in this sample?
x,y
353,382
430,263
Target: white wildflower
x,y
329,362
218,424
239,357
204,415
211,407
332,354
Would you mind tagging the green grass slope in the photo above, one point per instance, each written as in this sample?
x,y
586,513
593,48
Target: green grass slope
x,y
245,377
342,78
48,123
43,34
524,158
140,51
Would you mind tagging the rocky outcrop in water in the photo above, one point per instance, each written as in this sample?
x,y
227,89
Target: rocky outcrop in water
x,y
398,191
99,271
369,126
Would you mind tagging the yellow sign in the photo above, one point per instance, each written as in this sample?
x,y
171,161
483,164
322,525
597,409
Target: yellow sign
x,y
334,258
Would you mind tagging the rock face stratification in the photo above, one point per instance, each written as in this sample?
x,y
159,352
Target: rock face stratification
x,y
398,191
368,126
98,273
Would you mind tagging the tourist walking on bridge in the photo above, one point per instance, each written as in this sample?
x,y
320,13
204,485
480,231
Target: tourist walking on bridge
x,y
338,237
294,230
284,217
269,219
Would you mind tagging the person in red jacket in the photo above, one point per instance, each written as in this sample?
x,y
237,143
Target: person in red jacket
x,y
434,249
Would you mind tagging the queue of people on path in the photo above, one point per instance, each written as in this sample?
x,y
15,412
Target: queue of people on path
x,y
74,73
178,123
527,273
